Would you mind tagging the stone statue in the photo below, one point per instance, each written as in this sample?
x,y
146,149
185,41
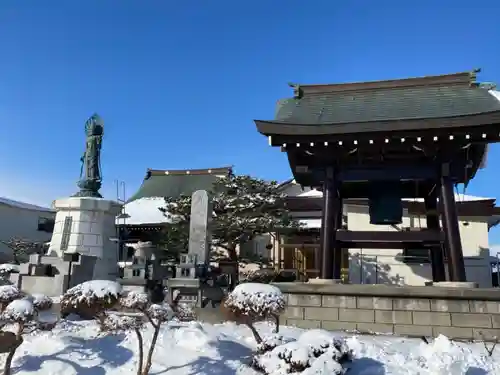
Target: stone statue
x,y
90,173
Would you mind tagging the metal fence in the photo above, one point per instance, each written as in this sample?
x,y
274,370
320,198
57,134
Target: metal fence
x,y
381,268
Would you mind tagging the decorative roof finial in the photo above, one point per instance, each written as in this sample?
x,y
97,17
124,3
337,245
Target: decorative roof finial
x,y
473,75
297,91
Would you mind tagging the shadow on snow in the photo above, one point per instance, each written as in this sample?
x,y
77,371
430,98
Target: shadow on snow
x,y
107,349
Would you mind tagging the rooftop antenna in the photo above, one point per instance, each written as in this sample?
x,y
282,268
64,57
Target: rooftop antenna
x,y
121,235
121,198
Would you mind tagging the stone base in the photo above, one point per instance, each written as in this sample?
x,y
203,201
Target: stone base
x,y
453,284
86,225
33,277
325,281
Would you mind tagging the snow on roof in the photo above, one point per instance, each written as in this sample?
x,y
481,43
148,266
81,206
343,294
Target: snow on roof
x,y
495,93
144,211
23,205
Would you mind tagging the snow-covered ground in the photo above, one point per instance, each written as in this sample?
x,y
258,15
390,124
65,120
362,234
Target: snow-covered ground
x,y
194,348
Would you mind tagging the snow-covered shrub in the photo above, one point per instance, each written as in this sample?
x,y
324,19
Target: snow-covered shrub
x,y
91,298
116,310
6,269
115,322
270,342
21,311
8,293
41,302
184,312
315,352
133,311
262,275
252,302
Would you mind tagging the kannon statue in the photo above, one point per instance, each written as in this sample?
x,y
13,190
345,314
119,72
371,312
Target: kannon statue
x,y
90,173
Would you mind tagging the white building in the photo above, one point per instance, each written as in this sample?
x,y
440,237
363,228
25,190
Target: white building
x,y
23,221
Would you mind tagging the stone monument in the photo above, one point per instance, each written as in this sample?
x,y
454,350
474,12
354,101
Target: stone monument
x,y
85,222
193,265
199,226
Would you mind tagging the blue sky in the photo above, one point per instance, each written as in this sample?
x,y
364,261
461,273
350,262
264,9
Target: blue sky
x,y
178,83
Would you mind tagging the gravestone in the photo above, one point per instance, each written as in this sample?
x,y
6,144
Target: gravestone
x,y
199,226
185,281
194,264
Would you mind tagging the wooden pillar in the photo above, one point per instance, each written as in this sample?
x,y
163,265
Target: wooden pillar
x,y
436,252
328,220
317,257
337,249
456,265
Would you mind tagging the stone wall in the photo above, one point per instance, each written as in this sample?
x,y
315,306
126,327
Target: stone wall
x,y
408,311
67,272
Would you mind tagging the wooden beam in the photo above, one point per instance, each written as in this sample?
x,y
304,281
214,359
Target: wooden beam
x,y
423,236
388,240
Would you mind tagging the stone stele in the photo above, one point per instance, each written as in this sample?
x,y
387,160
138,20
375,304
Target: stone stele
x,y
199,226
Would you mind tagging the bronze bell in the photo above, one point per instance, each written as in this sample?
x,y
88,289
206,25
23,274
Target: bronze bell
x,y
385,203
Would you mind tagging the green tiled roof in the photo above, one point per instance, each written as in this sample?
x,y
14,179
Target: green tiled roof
x,y
162,183
403,103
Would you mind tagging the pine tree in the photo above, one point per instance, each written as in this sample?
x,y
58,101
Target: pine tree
x,y
243,207
22,248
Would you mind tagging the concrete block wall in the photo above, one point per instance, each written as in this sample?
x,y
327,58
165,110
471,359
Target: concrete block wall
x,y
471,314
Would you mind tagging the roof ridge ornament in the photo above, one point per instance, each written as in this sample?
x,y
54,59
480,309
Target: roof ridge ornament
x,y
298,93
487,85
473,76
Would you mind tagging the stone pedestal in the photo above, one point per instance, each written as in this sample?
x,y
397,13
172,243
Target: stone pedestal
x,y
325,281
453,284
85,226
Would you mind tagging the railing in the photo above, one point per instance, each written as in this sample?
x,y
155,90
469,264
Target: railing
x,y
379,268
498,268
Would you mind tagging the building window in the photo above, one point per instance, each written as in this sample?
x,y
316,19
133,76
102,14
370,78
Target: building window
x,y
46,224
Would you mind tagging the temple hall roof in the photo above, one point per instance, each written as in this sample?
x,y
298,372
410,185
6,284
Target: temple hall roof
x,y
403,101
172,183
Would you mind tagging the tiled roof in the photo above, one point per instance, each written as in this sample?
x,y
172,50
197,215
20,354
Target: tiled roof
x,y
384,104
173,183
24,206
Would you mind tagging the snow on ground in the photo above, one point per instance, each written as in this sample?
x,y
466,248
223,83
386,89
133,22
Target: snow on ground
x,y
194,348
7,268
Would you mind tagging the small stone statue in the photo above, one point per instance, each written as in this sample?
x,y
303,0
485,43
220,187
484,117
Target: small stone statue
x,y
90,173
